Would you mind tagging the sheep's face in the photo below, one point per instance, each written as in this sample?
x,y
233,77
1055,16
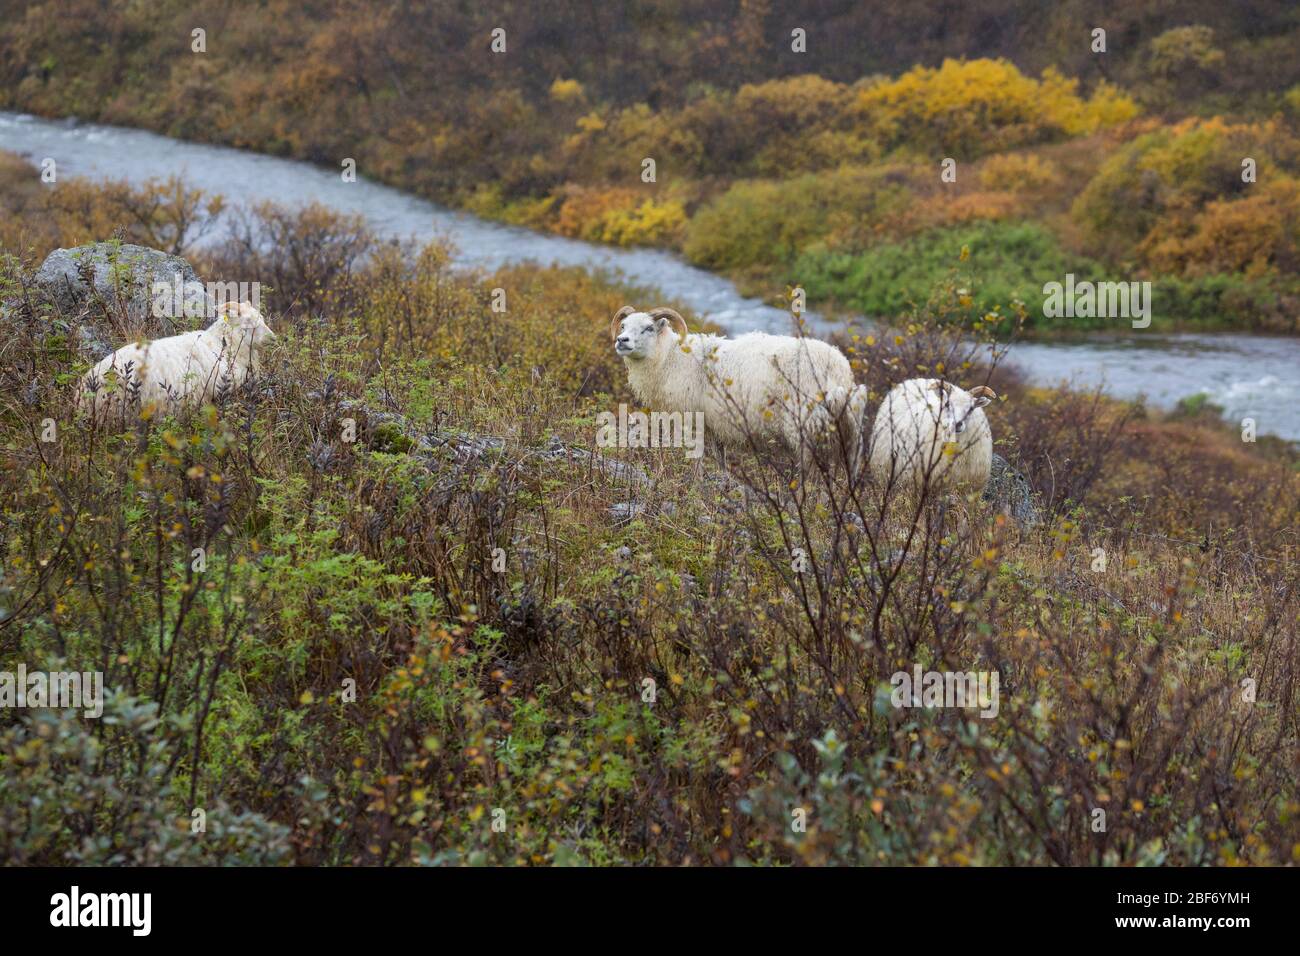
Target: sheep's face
x,y
640,336
954,407
245,325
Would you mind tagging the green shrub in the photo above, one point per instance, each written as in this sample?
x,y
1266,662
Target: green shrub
x,y
1006,262
73,794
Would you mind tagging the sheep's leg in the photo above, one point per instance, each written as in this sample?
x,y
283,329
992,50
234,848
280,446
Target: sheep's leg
x,y
799,443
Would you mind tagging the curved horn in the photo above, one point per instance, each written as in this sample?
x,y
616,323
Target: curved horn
x,y
619,316
983,391
674,319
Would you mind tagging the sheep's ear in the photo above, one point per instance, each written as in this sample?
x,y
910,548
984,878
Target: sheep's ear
x,y
982,395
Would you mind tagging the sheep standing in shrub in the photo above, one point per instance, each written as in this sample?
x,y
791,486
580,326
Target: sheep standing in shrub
x,y
929,433
755,386
181,369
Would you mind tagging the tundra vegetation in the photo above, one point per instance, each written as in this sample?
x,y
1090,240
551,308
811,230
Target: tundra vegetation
x,y
819,168
449,641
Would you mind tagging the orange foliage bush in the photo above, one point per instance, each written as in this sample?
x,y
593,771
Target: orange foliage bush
x,y
942,210
1149,197
1254,236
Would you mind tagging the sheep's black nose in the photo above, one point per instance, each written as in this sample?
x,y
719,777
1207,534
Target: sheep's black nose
x,y
621,340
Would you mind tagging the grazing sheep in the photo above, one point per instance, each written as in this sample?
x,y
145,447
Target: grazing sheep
x,y
928,431
768,386
181,369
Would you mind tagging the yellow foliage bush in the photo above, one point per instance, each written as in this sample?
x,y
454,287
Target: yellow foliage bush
x,y
566,91
1063,107
1018,173
797,124
649,224
619,215
984,105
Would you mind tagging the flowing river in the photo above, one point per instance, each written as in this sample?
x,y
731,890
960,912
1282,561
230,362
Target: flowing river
x,y
1249,376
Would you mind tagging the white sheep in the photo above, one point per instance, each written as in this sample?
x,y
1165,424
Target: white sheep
x,y
756,385
930,432
181,369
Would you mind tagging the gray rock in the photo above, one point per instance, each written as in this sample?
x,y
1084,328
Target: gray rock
x,y
91,343
115,277
1009,491
626,511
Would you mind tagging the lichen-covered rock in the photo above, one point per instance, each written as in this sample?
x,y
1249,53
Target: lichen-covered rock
x,y
1009,491
115,277
91,343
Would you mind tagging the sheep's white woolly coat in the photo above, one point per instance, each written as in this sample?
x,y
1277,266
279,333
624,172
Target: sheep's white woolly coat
x,y
914,440
768,386
181,369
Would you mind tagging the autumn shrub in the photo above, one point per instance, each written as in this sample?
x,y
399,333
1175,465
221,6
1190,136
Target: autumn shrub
x,y
1146,198
164,214
550,323
1196,482
1064,442
306,257
1017,172
968,207
800,124
23,226
1253,237
981,106
611,148
766,222
1183,63
622,217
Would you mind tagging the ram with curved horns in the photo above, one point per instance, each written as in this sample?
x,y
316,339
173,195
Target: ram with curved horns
x,y
751,388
